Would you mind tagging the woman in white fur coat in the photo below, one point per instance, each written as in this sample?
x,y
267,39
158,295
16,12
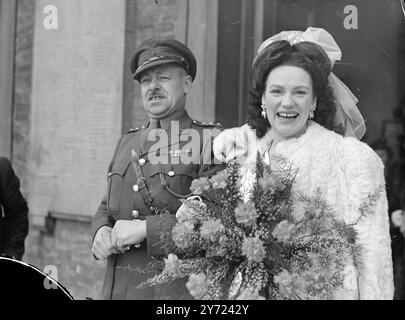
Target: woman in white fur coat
x,y
301,111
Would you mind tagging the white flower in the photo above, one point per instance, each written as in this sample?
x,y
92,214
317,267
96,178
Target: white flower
x,y
298,212
199,185
211,229
182,234
219,180
172,265
197,285
284,231
253,248
245,213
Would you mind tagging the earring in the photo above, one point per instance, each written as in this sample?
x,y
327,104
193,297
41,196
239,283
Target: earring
x,y
312,110
264,114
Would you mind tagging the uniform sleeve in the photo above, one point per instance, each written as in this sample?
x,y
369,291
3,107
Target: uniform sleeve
x,y
363,173
158,234
15,211
101,218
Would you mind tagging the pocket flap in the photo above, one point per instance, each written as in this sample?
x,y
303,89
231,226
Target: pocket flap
x,y
172,170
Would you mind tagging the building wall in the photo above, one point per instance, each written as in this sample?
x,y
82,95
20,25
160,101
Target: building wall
x,y
22,87
47,67
7,45
76,104
144,20
68,247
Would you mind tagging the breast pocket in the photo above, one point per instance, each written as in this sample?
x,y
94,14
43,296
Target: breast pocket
x,y
177,179
115,185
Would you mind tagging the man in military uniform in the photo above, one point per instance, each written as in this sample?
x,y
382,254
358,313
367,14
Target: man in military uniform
x,y
151,170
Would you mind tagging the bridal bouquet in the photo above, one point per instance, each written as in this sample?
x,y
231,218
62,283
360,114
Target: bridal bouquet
x,y
275,245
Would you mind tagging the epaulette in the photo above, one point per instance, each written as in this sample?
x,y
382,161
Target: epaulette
x,y
135,129
206,124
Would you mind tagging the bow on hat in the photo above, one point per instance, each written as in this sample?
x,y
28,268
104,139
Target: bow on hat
x,y
347,114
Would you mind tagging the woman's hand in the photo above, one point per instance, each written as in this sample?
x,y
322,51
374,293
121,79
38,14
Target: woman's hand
x,y
231,143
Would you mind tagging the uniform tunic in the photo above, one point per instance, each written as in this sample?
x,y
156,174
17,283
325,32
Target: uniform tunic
x,y
163,168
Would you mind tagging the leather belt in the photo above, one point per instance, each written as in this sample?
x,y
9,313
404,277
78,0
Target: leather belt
x,y
143,188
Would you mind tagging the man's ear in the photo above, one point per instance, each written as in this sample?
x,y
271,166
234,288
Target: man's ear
x,y
188,83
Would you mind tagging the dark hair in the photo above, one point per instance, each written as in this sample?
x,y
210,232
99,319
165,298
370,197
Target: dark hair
x,y
306,55
401,139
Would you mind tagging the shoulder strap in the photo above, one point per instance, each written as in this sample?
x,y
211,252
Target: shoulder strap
x,y
206,124
140,182
116,151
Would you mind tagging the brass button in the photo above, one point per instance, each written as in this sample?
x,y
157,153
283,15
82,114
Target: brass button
x,y
171,173
135,188
109,174
135,213
142,162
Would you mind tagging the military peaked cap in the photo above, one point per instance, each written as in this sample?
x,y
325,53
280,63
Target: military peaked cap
x,y
154,52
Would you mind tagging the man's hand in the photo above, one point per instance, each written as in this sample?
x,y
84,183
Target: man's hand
x,y
102,245
128,232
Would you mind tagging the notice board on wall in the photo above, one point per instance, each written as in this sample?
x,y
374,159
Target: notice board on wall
x,y
76,104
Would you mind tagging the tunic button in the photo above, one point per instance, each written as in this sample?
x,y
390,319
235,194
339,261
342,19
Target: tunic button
x,y
135,187
109,174
135,213
142,162
171,173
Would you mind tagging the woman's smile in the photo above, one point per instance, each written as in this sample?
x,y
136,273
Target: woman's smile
x,y
287,99
287,116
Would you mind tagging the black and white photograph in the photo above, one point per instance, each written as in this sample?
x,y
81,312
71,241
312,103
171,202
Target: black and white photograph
x,y
202,150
